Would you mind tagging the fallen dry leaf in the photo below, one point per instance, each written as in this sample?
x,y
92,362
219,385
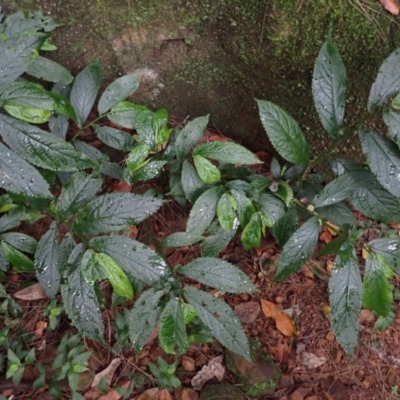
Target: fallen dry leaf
x,y
247,312
283,322
165,395
213,369
300,393
188,364
40,327
150,394
122,187
391,6
108,372
282,350
325,237
33,292
332,228
185,394
113,394
310,360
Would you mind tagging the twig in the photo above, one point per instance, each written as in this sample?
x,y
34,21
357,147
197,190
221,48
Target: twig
x,y
263,24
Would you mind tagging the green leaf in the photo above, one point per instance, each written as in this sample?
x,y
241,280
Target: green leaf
x,y
283,229
28,114
203,211
225,211
387,81
12,357
114,138
245,207
17,259
64,251
191,183
18,176
149,171
271,206
226,152
144,316
218,274
46,261
84,91
12,219
124,114
251,235
179,239
58,125
113,212
81,303
284,133
16,54
392,121
80,189
215,243
376,203
298,249
91,269
136,157
383,158
20,241
377,293
220,319
160,119
36,21
329,87
49,70
276,169
172,331
190,135
136,259
117,277
144,126
390,249
339,213
41,148
117,91
207,171
345,294
284,192
341,188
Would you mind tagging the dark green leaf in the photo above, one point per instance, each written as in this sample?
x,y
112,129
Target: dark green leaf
x,y
341,188
191,183
3,261
341,165
294,172
215,243
226,152
144,316
376,203
136,259
387,82
203,211
117,91
225,211
251,235
172,330
338,213
114,138
332,247
17,23
124,114
245,207
220,319
65,249
81,303
271,206
16,258
392,121
91,269
218,274
80,189
41,148
383,158
144,126
283,229
284,192
329,87
275,168
12,219
20,241
190,135
284,133
298,249
113,212
84,91
117,277
46,262
49,70
18,176
179,239
58,125
207,171
377,293
390,249
345,294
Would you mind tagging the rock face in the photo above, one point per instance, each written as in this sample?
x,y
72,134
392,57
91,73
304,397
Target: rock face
x,y
215,57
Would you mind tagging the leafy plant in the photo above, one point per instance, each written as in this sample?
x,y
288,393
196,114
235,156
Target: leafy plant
x,y
165,374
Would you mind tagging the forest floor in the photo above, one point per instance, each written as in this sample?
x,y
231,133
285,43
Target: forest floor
x,y
312,364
